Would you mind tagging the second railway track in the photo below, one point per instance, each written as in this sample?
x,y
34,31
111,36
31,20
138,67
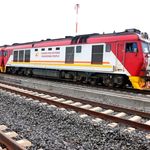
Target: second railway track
x,y
15,79
115,97
132,118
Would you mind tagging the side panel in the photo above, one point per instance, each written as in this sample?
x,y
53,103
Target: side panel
x,y
68,58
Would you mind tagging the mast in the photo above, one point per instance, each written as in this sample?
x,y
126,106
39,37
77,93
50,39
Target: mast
x,y
77,11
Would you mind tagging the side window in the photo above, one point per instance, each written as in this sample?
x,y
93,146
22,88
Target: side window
x,y
78,49
49,49
108,48
57,48
5,53
21,55
145,47
131,47
15,56
27,55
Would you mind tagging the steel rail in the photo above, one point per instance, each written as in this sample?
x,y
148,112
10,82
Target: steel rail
x,y
85,111
106,106
9,143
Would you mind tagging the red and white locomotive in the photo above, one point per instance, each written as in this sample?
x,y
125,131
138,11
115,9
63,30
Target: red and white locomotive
x,y
116,59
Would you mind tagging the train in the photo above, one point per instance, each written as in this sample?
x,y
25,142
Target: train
x,y
118,59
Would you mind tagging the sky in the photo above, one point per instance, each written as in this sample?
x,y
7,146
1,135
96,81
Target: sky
x,y
34,20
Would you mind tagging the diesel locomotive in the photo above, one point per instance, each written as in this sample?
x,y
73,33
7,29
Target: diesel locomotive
x,y
117,59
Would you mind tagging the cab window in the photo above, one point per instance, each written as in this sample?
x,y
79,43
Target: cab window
x,y
131,47
145,47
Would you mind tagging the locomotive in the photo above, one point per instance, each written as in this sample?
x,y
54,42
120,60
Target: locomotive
x,y
116,59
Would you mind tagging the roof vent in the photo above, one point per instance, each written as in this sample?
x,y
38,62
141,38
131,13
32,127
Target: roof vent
x,y
133,31
68,37
82,38
48,39
15,44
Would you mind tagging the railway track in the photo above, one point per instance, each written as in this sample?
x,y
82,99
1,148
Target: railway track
x,y
133,119
100,87
8,140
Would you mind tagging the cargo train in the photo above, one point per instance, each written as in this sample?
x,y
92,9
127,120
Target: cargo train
x,y
116,60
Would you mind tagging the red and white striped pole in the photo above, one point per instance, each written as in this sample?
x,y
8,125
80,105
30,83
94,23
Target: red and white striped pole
x,y
77,10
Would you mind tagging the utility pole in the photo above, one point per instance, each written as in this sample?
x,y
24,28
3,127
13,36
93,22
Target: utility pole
x,y
77,11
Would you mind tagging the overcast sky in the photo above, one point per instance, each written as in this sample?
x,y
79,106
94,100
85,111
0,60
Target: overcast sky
x,y
31,20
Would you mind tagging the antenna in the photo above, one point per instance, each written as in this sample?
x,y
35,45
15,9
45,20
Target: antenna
x,y
77,10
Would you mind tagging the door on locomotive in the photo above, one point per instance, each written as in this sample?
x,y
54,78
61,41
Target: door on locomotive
x,y
97,54
120,56
128,57
69,58
132,58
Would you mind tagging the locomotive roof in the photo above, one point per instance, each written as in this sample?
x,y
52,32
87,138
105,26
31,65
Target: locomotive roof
x,y
79,38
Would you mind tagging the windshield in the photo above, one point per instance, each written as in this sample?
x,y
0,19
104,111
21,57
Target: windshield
x,y
146,47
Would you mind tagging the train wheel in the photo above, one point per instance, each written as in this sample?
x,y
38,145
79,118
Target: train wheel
x,y
119,81
75,79
107,81
28,72
93,81
83,79
14,71
20,72
8,70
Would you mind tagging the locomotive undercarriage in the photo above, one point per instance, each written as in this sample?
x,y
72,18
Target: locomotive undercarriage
x,y
109,80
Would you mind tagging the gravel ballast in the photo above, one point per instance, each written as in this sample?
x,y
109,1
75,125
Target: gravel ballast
x,y
50,128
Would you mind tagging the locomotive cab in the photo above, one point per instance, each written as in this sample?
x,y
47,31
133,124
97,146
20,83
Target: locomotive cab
x,y
142,79
146,53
